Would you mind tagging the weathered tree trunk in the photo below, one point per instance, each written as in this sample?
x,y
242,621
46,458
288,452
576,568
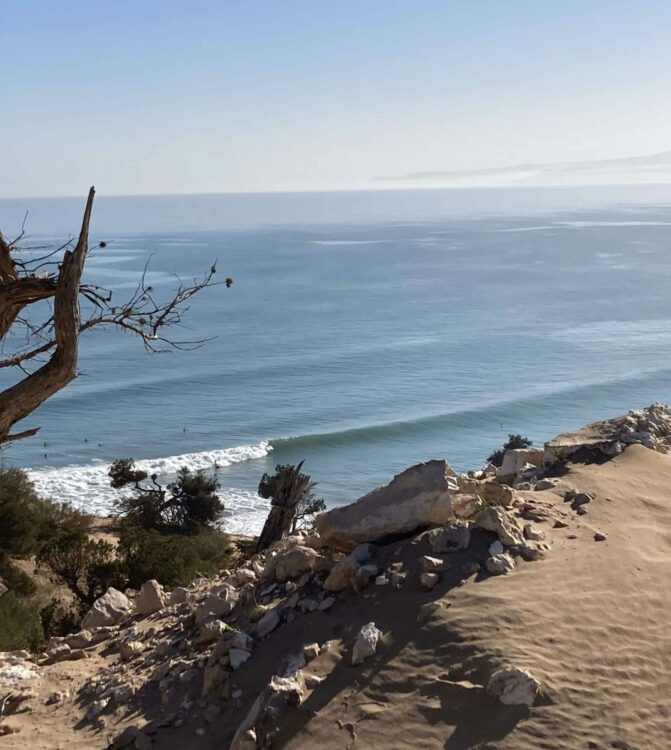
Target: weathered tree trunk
x,y
290,489
22,398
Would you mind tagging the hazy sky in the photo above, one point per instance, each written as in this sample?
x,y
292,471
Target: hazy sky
x,y
160,96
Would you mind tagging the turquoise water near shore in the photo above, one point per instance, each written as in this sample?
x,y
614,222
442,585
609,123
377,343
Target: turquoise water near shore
x,y
361,335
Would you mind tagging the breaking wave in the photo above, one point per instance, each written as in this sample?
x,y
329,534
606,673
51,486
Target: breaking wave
x,y
87,486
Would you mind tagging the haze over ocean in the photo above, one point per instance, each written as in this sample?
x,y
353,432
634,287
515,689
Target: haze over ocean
x,y
365,332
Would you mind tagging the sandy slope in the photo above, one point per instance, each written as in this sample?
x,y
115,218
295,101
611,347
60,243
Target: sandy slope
x,y
591,621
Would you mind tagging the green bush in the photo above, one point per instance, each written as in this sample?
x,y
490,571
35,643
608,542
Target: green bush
x,y
59,618
87,567
186,505
172,559
20,625
15,579
24,517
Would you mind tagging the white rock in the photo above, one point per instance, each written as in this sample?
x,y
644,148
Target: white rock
x,y
500,564
178,595
366,643
496,548
531,532
150,599
238,657
381,580
419,497
466,506
268,623
513,686
429,580
109,609
452,537
502,524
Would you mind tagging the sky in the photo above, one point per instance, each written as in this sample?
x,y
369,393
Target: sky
x,y
210,96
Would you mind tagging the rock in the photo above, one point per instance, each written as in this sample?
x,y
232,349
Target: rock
x,y
342,575
151,598
244,576
515,460
513,686
57,696
210,631
502,524
429,580
363,553
109,609
431,564
471,568
650,427
130,649
178,595
366,643
500,564
416,499
311,651
363,576
215,605
381,580
496,548
577,498
530,532
559,524
599,537
326,603
268,623
546,484
466,506
237,657
82,639
294,563
452,537
257,728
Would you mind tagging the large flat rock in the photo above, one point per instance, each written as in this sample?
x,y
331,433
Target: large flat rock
x,y
418,498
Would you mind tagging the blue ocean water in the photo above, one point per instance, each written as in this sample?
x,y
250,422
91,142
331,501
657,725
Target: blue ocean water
x,y
364,333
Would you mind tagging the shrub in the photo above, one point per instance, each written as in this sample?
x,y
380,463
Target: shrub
x,y
20,625
173,559
307,505
60,618
87,567
24,517
514,442
15,579
186,505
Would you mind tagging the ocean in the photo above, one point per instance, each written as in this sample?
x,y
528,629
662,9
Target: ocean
x,y
364,332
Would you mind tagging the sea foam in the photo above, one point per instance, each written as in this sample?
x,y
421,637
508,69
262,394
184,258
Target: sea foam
x,y
87,486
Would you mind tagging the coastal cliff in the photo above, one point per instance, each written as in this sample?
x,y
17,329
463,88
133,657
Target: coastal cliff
x,y
523,607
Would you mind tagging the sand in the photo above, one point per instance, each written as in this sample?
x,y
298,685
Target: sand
x,y
590,621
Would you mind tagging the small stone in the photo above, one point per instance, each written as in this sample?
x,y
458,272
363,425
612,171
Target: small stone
x,y
381,580
429,580
363,553
559,524
238,657
452,537
57,696
500,564
599,537
530,532
326,603
366,643
513,686
581,510
178,595
496,548
546,483
130,649
431,564
268,623
151,598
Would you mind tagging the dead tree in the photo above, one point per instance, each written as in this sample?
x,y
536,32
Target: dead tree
x,y
30,275
288,487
